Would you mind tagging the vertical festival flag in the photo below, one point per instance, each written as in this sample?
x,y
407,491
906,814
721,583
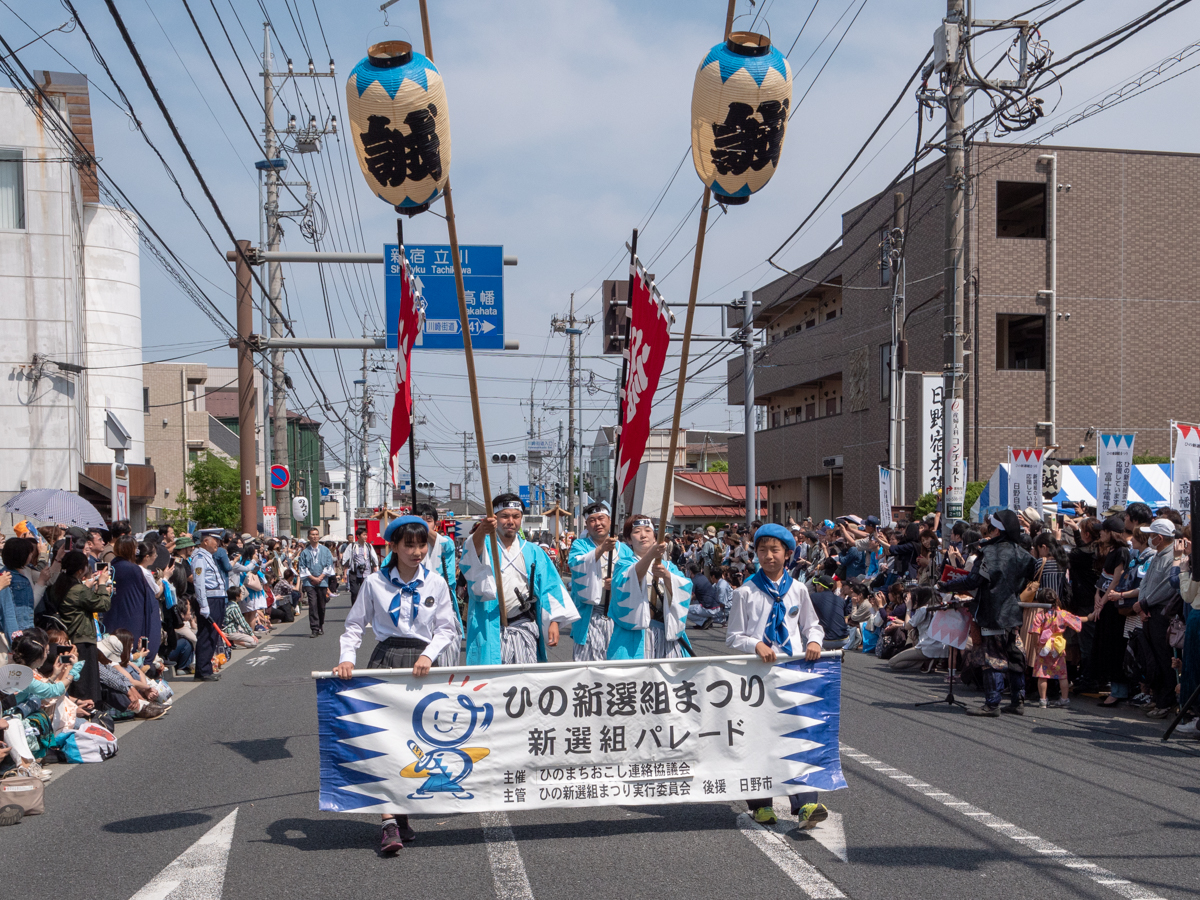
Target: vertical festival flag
x,y
1185,465
1025,478
649,337
1114,462
406,335
885,497
933,434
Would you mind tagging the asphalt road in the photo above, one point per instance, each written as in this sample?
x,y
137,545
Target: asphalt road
x,y
219,800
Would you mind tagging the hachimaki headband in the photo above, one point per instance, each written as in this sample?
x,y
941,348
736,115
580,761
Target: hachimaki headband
x,y
638,523
508,504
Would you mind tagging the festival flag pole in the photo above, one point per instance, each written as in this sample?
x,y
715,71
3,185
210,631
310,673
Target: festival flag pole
x,y
612,513
683,362
412,412
464,322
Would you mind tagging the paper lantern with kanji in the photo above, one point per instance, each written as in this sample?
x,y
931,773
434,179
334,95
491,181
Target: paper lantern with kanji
x,y
740,106
400,124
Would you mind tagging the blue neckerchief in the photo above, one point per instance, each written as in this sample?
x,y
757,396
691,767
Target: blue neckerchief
x,y
776,633
411,588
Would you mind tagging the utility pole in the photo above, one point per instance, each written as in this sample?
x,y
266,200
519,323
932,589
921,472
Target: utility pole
x,y
748,384
570,327
247,461
899,347
953,489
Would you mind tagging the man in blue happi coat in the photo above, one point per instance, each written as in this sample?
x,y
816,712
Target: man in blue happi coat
x,y
596,560
535,598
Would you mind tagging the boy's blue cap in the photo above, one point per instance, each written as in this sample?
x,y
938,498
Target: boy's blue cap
x,y
396,524
776,531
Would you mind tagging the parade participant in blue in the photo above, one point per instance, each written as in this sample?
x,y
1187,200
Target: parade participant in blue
x,y
409,609
208,603
650,600
315,566
535,598
441,558
596,559
773,612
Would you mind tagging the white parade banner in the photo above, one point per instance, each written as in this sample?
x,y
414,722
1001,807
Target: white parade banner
x,y
1185,465
625,733
1025,478
1114,462
885,497
933,434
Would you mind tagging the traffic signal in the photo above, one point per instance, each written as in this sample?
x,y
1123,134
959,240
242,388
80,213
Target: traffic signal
x,y
504,457
615,306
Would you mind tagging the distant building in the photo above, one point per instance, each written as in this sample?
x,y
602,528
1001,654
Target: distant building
x,y
1128,317
70,283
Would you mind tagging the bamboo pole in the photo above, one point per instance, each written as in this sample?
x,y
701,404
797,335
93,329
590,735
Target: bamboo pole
x,y
468,353
683,362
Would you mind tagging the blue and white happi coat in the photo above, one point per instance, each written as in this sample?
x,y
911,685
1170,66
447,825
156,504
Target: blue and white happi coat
x,y
483,609
632,617
587,580
442,559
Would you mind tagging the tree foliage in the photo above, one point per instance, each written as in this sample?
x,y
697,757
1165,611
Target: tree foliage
x,y
718,465
215,500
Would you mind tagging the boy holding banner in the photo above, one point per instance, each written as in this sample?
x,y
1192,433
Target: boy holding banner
x,y
595,560
773,611
409,608
535,599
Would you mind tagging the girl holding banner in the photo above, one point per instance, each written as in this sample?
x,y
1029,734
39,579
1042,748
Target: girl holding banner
x,y
411,613
650,600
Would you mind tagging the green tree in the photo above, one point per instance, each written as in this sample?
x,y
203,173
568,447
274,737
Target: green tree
x,y
214,490
718,465
927,503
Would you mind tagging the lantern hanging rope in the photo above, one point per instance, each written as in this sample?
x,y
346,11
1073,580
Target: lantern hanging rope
x,y
740,103
401,125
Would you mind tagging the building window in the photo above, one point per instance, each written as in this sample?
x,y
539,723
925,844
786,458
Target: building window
x,y
832,314
1020,342
193,456
885,265
12,190
145,399
1020,209
885,371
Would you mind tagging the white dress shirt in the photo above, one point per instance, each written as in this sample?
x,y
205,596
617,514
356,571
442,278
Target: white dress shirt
x,y
751,609
434,621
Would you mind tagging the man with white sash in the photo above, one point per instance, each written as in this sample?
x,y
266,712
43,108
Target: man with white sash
x,y
650,600
596,559
442,559
535,598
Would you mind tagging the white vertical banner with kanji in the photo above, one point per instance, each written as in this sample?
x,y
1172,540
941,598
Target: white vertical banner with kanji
x,y
476,738
933,434
1185,465
885,497
1025,478
1114,462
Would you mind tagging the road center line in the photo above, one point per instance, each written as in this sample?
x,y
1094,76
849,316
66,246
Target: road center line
x,y
1096,873
508,869
198,873
803,874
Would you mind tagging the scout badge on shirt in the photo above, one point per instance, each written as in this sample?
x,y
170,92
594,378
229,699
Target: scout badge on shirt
x,y
429,601
794,611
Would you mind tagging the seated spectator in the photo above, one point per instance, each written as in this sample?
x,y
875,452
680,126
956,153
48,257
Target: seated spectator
x,y
235,626
287,597
133,662
926,651
121,694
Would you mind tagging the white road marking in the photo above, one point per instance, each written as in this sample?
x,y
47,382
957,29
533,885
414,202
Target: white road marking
x,y
804,875
1099,875
508,869
830,834
198,873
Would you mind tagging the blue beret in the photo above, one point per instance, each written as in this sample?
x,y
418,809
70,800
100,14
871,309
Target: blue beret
x,y
775,531
395,525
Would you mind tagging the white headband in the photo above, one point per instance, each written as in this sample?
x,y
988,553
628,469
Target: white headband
x,y
508,504
638,523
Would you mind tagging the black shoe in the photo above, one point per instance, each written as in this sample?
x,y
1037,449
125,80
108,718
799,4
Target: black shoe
x,y
199,677
1015,709
992,712
316,633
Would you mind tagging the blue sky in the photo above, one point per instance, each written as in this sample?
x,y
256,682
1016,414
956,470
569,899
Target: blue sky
x,y
568,121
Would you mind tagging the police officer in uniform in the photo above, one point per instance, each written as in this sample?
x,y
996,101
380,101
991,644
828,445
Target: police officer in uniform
x,y
208,602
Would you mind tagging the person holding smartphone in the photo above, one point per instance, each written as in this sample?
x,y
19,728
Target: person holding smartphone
x,y
85,595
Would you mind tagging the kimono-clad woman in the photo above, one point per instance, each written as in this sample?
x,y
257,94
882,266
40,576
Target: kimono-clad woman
x,y
650,600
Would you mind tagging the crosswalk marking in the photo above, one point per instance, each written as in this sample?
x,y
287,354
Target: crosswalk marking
x,y
508,869
198,873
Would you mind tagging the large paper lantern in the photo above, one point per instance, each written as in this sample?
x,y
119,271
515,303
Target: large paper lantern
x,y
401,125
740,106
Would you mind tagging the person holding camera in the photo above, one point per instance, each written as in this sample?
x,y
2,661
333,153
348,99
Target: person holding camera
x,y
85,595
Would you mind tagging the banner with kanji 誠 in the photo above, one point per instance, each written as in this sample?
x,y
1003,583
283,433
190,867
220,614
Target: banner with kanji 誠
x,y
566,734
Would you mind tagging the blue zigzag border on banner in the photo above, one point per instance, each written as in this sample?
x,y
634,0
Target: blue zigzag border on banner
x,y
337,779
828,688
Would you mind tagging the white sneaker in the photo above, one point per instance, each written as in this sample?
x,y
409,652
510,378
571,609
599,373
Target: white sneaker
x,y
1191,728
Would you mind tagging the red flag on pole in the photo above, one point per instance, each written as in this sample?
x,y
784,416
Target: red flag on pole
x,y
406,335
649,338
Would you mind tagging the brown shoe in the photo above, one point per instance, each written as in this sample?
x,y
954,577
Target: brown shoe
x,y
151,711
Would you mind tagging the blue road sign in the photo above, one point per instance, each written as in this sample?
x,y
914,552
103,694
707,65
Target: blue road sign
x,y
536,497
483,284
